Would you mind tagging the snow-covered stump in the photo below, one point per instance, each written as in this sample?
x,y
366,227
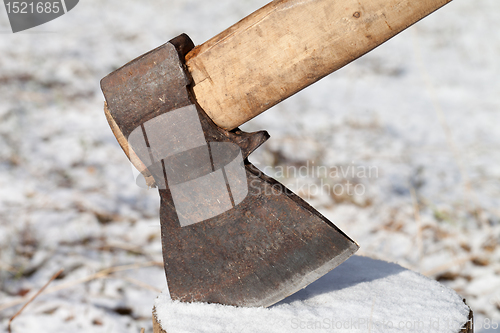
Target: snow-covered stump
x,y
361,295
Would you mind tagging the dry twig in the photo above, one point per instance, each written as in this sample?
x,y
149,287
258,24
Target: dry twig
x,y
141,284
416,212
449,265
32,298
98,275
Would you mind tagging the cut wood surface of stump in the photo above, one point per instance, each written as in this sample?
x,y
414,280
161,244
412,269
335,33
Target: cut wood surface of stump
x,y
362,294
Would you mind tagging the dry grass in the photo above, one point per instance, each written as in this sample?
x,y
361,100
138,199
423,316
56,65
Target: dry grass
x,y
31,299
99,275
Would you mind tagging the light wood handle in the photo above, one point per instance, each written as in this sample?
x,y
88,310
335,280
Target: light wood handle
x,y
286,46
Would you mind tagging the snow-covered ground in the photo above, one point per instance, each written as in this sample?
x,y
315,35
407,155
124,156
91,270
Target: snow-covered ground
x,y
400,149
363,294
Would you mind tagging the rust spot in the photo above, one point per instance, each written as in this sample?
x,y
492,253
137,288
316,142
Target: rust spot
x,y
388,25
357,14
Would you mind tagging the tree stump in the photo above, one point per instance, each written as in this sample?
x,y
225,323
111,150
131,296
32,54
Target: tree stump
x,y
362,294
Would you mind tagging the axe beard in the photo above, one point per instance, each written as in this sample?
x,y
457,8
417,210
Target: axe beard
x,y
230,234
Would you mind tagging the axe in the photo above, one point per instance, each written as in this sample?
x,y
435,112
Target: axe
x,y
231,234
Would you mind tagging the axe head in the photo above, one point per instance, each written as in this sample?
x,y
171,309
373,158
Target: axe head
x,y
230,234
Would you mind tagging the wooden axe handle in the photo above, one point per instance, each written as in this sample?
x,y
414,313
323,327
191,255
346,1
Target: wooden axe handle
x,y
286,46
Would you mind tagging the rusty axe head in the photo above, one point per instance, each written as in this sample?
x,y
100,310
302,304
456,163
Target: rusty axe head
x,y
230,234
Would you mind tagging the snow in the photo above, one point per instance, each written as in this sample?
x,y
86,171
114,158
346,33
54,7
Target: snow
x,y
362,294
422,110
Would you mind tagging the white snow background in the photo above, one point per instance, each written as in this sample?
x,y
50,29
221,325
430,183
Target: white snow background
x,y
414,124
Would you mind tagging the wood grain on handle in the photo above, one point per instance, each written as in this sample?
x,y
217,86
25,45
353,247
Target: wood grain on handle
x,y
286,46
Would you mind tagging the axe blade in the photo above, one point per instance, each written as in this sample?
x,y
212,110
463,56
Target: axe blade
x,y
266,243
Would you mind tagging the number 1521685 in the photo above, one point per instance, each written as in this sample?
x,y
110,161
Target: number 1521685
x,y
46,7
